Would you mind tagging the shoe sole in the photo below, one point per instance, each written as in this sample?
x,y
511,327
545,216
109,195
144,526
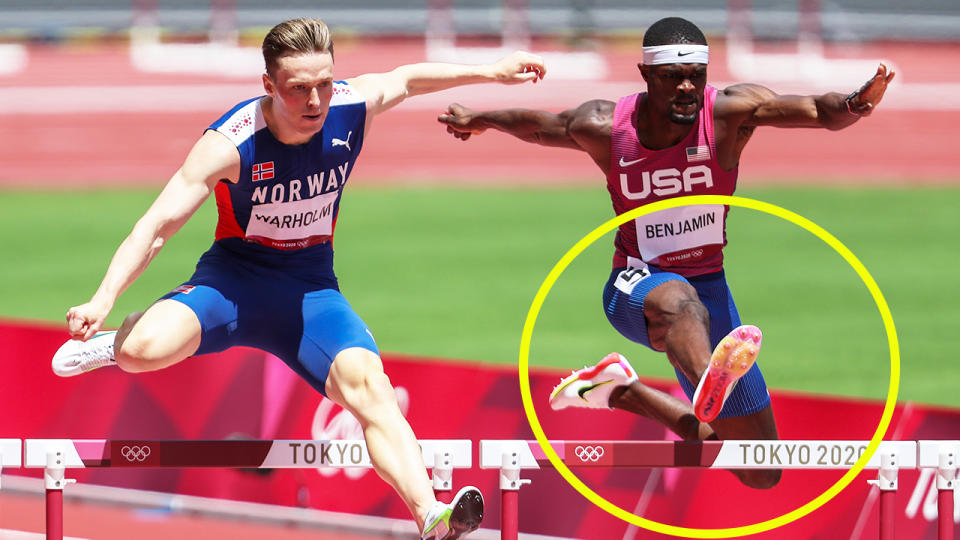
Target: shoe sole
x,y
466,515
734,356
590,373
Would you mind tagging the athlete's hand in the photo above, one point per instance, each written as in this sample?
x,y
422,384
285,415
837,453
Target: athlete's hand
x,y
863,101
85,320
519,67
461,122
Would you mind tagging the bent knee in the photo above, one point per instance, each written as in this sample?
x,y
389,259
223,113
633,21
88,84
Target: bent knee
x,y
147,349
760,479
372,391
137,353
165,334
673,300
357,381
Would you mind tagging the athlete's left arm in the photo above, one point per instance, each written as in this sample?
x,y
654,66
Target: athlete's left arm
x,y
756,105
385,90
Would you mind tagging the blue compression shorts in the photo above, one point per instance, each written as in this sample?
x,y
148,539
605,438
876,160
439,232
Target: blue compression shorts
x,y
624,310
244,303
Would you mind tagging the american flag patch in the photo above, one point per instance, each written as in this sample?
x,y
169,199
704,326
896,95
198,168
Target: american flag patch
x,y
264,171
185,289
698,153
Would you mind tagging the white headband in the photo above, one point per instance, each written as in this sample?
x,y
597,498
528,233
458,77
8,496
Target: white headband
x,y
676,54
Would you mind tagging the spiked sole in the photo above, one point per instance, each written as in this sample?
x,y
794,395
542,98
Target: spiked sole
x,y
733,357
466,515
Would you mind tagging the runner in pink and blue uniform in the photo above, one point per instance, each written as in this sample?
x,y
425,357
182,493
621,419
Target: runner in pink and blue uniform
x,y
667,290
278,165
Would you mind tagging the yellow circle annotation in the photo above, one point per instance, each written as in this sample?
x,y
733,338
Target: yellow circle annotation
x,y
754,528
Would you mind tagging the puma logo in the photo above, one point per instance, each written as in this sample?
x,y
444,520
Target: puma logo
x,y
342,142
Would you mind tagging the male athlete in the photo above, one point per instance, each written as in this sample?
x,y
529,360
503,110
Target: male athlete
x,y
667,289
278,165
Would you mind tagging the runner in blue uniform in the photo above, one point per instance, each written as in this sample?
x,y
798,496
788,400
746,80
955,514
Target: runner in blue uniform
x,y
278,165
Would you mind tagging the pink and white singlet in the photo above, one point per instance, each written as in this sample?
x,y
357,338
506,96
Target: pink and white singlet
x,y
687,240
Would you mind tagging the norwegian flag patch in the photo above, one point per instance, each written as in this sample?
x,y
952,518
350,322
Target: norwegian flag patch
x,y
697,153
263,171
185,289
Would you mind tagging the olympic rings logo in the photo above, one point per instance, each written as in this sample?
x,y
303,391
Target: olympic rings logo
x,y
135,453
589,453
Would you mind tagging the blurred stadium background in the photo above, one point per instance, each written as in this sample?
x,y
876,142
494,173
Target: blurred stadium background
x,y
100,100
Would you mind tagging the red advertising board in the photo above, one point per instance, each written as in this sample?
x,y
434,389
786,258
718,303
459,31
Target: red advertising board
x,y
245,393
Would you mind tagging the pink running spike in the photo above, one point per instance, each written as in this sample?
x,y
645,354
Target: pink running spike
x,y
732,358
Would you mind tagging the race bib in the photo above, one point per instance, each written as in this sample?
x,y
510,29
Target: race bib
x,y
679,229
293,223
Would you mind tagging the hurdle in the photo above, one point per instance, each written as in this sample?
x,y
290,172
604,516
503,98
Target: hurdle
x,y
513,456
942,457
54,456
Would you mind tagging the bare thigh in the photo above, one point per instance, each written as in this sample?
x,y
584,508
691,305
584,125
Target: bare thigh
x,y
166,333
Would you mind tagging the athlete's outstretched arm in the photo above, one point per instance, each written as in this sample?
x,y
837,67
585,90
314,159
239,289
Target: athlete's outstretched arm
x,y
385,90
586,127
756,105
213,157
538,127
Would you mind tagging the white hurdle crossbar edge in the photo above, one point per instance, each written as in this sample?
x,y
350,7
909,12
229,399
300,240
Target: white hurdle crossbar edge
x,y
10,454
512,456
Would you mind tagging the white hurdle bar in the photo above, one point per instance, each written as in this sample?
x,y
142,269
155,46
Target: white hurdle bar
x,y
512,456
10,454
57,455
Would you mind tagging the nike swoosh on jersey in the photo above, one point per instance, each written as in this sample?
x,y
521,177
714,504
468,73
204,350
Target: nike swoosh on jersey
x,y
629,163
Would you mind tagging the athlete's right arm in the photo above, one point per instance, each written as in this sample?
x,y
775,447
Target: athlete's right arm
x,y
211,159
586,127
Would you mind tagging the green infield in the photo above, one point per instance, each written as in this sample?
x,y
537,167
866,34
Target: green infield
x,y
451,272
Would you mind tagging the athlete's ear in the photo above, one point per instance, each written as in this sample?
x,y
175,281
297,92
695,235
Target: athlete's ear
x,y
644,71
268,85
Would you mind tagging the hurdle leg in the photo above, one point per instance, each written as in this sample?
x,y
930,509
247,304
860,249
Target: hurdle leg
x,y
887,483
442,475
54,481
946,483
510,483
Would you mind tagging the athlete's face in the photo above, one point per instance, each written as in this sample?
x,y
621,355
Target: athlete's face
x,y
301,87
676,89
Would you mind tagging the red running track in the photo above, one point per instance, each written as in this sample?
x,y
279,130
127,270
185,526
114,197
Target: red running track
x,y
23,512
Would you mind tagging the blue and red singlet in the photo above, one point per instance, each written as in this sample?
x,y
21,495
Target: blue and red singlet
x,y
286,201
268,282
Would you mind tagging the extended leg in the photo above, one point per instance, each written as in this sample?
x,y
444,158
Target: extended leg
x,y
357,382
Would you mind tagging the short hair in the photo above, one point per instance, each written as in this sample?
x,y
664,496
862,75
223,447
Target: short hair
x,y
673,31
293,37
